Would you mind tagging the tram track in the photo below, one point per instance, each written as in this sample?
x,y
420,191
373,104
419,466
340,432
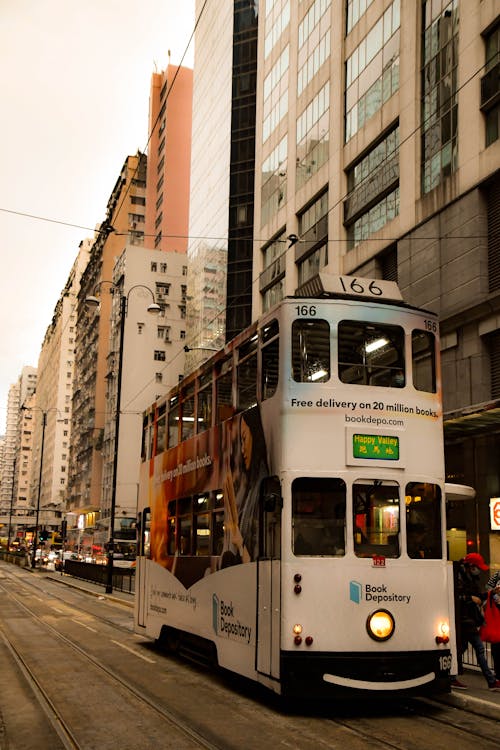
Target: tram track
x,y
191,707
137,699
391,731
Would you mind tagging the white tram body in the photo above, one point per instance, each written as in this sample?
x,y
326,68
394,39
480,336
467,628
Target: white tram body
x,y
292,505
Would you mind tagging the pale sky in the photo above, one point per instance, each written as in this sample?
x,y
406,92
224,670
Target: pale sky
x,y
74,97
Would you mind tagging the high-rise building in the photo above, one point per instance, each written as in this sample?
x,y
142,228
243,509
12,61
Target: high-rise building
x,y
222,173
378,155
169,157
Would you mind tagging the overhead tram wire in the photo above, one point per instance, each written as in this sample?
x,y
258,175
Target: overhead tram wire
x,y
260,240
337,203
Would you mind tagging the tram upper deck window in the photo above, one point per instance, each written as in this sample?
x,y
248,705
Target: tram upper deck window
x,y
187,414
371,354
423,521
376,518
161,429
224,386
310,351
318,516
270,359
173,422
204,405
246,375
423,352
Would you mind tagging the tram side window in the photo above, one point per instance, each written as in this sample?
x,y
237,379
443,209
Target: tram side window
x,y
171,528
144,443
187,418
202,524
173,422
185,528
310,351
270,359
423,351
218,523
161,430
224,386
318,516
145,547
204,404
371,354
246,375
423,521
376,518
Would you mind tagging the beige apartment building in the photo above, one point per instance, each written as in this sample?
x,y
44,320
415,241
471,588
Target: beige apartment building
x,y
377,145
16,503
51,410
126,202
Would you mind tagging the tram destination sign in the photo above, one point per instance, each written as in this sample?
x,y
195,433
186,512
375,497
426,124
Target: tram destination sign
x,y
385,447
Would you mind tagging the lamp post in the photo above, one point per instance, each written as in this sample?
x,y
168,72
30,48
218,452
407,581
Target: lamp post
x,y
35,540
154,309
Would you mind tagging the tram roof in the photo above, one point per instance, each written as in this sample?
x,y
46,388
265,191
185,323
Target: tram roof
x,y
329,286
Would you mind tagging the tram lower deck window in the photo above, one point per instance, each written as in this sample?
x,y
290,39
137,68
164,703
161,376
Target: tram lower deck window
x,y
318,516
376,518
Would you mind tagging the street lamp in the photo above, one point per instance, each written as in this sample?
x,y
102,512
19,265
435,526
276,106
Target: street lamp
x,y
153,309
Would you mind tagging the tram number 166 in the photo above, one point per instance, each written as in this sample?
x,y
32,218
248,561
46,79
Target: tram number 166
x,y
305,310
445,663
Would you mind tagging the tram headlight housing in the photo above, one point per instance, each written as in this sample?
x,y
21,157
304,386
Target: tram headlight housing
x,y
443,635
380,625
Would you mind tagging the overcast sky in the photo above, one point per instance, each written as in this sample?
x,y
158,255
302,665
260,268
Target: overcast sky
x,y
74,96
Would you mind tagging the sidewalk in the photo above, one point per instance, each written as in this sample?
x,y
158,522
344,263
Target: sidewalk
x,y
94,589
477,698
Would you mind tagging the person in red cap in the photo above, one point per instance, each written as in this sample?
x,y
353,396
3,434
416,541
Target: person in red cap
x,y
469,598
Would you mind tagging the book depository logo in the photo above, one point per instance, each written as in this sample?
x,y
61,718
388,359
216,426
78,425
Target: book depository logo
x,y
379,594
355,591
225,622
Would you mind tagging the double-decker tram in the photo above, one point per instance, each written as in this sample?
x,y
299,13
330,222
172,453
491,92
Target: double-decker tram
x,y
291,502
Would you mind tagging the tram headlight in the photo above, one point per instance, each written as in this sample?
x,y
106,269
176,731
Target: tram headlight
x,y
443,635
380,625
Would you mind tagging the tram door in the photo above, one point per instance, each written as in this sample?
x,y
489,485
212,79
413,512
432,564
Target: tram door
x,y
268,579
142,570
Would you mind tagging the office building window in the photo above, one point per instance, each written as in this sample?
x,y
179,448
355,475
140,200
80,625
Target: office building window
x,y
355,9
372,71
159,355
439,91
277,19
275,94
490,86
271,279
311,254
313,136
274,181
370,181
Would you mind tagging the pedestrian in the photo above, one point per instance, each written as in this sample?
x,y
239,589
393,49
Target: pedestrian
x,y
493,585
469,599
